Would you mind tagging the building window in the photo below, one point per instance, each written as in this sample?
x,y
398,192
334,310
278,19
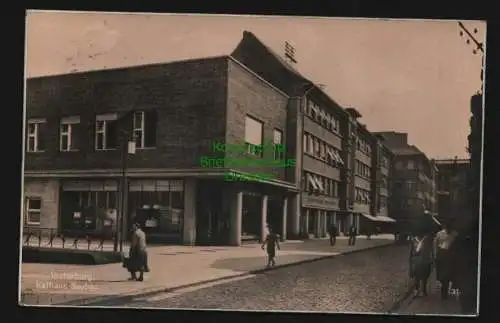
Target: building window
x,y
33,210
36,135
253,136
316,148
322,150
411,164
399,164
279,149
106,132
67,134
411,187
144,129
319,183
305,143
312,185
311,145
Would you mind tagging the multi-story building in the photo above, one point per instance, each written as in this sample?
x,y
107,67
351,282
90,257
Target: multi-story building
x,y
201,129
321,166
316,139
359,180
189,120
382,174
413,188
452,187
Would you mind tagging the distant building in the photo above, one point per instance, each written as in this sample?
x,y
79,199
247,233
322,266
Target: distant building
x,y
452,187
413,183
383,163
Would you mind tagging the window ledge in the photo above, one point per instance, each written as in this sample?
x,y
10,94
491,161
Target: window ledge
x,y
145,148
36,152
69,151
107,149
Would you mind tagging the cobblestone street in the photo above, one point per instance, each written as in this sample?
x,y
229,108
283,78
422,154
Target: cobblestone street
x,y
370,281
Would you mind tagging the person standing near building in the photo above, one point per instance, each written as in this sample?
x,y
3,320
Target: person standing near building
x,y
352,235
137,253
272,243
333,232
444,270
421,258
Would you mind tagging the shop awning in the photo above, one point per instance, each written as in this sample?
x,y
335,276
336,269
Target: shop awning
x,y
368,216
436,220
311,181
319,184
383,218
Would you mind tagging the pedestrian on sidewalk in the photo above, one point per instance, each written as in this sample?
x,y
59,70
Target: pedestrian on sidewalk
x,y
138,253
444,270
464,254
352,235
421,258
272,243
140,218
333,234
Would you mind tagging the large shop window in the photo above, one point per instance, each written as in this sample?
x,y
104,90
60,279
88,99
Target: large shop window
x,y
158,205
89,206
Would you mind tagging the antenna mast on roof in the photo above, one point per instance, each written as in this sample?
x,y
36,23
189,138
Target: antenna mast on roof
x,y
290,53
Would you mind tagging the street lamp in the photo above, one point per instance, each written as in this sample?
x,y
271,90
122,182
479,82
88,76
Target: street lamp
x,y
128,148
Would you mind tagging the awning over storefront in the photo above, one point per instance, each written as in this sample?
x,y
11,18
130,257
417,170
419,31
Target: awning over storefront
x,y
436,220
383,218
368,216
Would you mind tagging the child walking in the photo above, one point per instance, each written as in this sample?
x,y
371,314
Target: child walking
x,y
272,242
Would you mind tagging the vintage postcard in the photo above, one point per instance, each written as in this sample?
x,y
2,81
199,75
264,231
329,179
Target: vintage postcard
x,y
252,163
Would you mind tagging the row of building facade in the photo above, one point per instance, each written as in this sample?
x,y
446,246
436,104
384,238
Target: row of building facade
x,y
79,175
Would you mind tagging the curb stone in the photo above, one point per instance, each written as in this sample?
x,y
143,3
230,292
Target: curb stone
x,y
102,300
405,301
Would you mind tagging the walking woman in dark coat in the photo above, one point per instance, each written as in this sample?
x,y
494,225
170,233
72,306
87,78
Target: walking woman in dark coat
x,y
138,253
421,258
444,266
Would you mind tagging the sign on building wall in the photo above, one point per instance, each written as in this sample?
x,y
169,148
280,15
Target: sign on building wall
x,y
320,202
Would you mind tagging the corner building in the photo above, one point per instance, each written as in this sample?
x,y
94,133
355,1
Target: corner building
x,y
78,126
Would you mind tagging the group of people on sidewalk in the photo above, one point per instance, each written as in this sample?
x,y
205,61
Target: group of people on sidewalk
x,y
333,232
446,251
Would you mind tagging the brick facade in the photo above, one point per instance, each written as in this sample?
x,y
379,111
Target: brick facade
x,y
189,97
248,94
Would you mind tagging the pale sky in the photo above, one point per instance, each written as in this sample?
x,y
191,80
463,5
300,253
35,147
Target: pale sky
x,y
412,76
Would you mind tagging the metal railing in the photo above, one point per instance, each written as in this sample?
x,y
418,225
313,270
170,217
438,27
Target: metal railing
x,y
68,239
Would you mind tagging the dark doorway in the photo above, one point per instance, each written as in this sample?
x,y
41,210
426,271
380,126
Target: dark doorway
x,y
251,217
275,215
212,226
70,203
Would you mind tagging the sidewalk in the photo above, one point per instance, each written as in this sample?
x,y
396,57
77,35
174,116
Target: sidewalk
x,y
432,304
171,267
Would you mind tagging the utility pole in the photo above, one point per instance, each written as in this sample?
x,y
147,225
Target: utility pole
x,y
479,46
125,126
475,138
